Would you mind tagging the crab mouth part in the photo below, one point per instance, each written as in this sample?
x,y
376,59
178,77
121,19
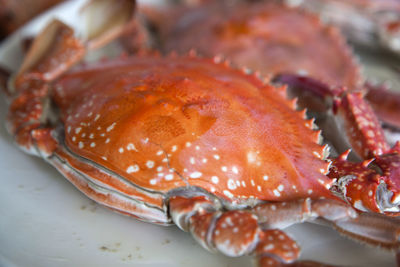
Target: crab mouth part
x,y
383,199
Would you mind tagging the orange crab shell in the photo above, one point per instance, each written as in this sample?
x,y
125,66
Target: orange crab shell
x,y
267,37
167,123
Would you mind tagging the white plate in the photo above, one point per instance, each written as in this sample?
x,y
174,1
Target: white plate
x,y
45,221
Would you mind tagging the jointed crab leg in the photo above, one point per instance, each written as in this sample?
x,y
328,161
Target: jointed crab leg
x,y
386,104
257,231
52,53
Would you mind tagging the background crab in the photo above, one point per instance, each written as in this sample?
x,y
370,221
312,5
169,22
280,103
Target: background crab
x,y
45,148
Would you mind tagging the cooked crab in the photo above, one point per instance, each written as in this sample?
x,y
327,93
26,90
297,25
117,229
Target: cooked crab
x,y
255,34
193,142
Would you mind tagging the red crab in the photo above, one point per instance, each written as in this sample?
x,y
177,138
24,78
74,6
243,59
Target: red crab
x,y
256,35
190,141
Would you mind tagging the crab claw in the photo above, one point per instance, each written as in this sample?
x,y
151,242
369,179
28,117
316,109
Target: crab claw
x,y
372,185
115,18
389,164
357,183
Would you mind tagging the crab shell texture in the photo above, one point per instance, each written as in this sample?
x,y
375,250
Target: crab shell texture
x,y
264,36
139,129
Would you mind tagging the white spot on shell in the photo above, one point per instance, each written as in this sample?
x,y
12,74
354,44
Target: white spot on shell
x,y
169,177
195,175
107,140
150,164
131,146
215,179
280,187
265,177
109,128
251,157
174,148
235,170
93,144
269,247
276,193
77,130
132,168
80,145
224,168
121,150
231,184
217,157
153,181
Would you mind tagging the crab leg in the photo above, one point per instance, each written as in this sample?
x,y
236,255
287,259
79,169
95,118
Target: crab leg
x,y
28,113
376,189
53,52
232,233
355,125
386,104
258,231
